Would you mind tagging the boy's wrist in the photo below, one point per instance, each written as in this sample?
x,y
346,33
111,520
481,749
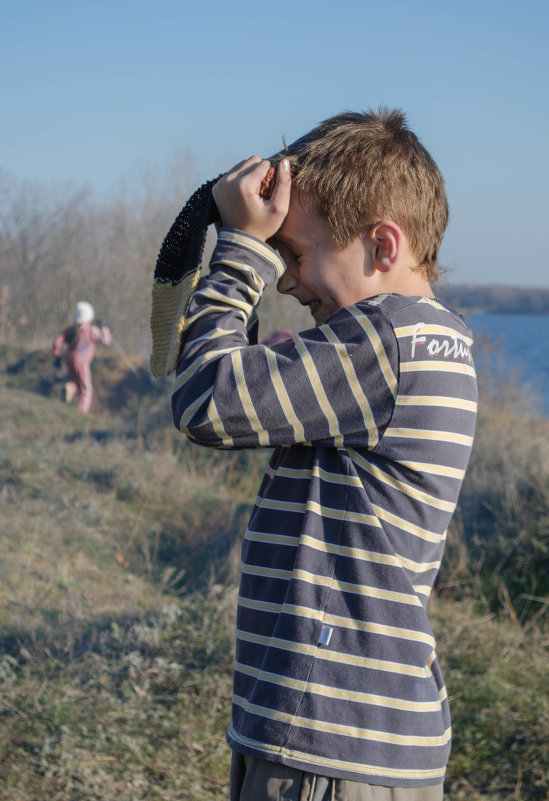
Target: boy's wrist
x,y
263,258
246,234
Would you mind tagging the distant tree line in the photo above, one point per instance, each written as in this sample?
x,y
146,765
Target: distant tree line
x,y
62,244
496,299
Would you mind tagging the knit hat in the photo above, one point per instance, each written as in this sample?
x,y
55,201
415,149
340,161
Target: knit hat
x,y
177,272
84,312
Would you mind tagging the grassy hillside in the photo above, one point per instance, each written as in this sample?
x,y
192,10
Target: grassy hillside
x,y
118,561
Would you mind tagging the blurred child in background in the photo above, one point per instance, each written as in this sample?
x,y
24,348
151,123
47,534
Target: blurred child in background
x,y
79,343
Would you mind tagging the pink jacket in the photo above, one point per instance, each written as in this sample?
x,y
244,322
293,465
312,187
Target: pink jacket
x,y
80,341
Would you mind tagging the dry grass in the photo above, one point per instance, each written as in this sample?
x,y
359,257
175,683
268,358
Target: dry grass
x,y
498,683
118,553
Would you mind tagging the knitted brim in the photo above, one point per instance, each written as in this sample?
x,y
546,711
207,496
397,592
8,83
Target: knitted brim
x,y
168,310
175,277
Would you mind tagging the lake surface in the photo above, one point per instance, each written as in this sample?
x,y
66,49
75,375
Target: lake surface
x,y
521,343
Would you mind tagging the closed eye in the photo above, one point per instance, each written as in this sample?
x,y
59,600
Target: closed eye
x,y
285,249
287,252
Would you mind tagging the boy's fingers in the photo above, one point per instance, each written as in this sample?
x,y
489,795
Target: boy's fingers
x,y
281,193
236,172
243,166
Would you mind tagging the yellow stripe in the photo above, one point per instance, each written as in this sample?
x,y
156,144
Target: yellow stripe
x,y
190,410
314,378
218,272
266,572
433,469
400,668
436,400
323,547
354,384
398,561
238,371
283,397
326,762
419,567
338,620
422,433
317,508
273,539
248,276
434,366
379,350
378,299
405,525
204,358
253,244
215,420
406,489
210,336
423,589
206,311
319,472
335,692
212,294
391,560
342,729
434,303
327,581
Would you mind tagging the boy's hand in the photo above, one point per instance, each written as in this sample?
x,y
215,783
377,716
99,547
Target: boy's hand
x,y
238,200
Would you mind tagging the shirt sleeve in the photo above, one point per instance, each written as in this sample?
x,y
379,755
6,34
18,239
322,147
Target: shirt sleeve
x,y
334,385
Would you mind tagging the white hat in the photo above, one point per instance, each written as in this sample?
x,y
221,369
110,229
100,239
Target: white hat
x,y
84,312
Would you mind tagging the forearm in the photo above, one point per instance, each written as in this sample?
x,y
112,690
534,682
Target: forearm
x,y
216,328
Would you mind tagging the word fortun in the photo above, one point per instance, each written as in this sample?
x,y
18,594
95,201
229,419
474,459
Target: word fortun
x,y
450,347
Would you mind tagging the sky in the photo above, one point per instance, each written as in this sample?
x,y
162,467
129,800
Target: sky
x,y
90,92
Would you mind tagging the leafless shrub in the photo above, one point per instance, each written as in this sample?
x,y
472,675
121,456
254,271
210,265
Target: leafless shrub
x,y
60,244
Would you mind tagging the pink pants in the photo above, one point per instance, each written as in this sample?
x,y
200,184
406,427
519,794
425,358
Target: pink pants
x,y
80,383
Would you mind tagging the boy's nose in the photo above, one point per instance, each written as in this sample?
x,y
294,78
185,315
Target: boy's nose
x,y
286,283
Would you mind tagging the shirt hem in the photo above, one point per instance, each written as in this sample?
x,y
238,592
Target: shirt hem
x,y
307,763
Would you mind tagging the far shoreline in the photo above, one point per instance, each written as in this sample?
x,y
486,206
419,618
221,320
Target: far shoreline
x,y
494,299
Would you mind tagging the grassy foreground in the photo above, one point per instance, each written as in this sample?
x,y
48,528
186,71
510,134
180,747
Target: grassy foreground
x,y
118,564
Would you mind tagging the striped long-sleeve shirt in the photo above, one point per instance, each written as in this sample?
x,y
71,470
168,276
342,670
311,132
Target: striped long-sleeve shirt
x,y
372,416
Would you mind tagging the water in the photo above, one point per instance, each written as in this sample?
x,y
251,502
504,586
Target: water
x,y
523,341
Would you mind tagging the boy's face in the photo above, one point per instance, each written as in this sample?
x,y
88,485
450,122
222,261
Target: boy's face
x,y
319,273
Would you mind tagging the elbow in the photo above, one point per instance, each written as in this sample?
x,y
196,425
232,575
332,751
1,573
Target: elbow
x,y
197,428
200,435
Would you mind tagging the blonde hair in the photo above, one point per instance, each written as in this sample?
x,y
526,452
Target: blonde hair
x,y
364,167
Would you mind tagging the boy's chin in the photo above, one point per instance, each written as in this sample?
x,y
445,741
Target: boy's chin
x,y
317,312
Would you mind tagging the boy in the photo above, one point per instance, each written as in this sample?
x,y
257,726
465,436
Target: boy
x,y
337,688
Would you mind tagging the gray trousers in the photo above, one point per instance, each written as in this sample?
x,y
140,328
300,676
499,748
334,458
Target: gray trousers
x,y
258,780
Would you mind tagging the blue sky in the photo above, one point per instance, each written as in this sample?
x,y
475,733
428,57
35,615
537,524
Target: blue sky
x,y
92,91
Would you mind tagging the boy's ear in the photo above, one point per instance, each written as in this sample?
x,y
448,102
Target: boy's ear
x,y
385,240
